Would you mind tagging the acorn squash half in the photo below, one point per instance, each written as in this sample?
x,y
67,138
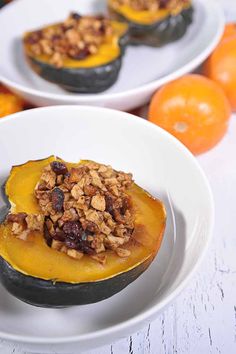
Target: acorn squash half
x,y
42,276
92,74
153,28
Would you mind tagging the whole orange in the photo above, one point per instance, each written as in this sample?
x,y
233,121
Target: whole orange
x,y
221,65
9,103
230,30
194,109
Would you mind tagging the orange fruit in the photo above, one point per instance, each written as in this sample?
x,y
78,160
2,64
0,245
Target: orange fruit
x,y
9,103
194,109
221,65
230,30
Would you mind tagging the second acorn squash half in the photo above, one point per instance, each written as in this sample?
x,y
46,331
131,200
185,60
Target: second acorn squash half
x,y
153,28
42,276
93,74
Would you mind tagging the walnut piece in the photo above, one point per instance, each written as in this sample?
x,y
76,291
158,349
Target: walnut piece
x,y
98,202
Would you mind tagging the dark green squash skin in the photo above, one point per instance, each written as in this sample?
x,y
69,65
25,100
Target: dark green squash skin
x,y
82,80
168,30
45,293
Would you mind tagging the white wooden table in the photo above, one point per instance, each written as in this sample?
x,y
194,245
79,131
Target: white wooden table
x,y
203,318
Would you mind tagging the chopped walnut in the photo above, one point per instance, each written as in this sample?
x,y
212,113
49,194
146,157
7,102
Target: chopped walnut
x,y
76,192
98,202
17,228
101,258
123,253
74,254
57,245
35,222
49,177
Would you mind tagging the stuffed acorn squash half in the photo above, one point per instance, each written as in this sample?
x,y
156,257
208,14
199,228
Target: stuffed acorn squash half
x,y
153,22
82,54
75,234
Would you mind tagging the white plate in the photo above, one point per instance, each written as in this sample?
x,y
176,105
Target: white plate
x,y
160,164
144,69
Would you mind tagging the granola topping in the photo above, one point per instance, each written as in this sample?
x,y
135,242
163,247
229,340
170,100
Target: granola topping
x,y
76,38
85,210
152,5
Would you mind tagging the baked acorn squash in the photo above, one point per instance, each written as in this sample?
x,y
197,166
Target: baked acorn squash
x,y
43,276
153,22
82,54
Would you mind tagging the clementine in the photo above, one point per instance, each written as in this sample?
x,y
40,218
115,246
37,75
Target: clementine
x,y
221,65
9,103
194,109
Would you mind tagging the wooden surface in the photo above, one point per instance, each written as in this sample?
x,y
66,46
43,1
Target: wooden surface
x,y
203,318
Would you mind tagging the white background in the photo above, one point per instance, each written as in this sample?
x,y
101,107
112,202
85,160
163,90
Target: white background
x,y
203,318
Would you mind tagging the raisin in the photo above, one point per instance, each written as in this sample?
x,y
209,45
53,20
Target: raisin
x,y
126,205
75,16
79,54
84,246
59,236
73,228
118,217
47,236
34,37
163,3
57,198
55,38
19,218
109,204
70,244
100,17
58,167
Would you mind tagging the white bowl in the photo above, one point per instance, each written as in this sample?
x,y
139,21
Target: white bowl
x,y
144,69
161,165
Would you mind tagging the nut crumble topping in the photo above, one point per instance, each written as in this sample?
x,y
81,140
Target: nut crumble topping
x,y
85,210
76,38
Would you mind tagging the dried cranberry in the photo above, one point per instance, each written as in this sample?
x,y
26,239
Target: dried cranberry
x,y
57,198
58,167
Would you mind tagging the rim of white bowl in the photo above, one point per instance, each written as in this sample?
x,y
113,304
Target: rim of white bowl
x,y
146,314
211,5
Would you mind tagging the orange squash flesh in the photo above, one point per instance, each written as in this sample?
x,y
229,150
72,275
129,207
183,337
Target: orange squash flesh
x,y
109,51
33,257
